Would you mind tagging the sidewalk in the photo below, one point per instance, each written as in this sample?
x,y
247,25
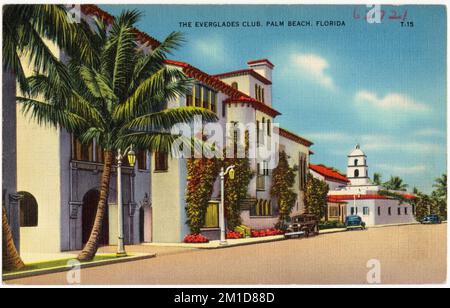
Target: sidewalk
x,y
216,244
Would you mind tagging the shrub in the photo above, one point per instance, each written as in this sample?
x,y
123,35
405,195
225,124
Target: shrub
x,y
331,225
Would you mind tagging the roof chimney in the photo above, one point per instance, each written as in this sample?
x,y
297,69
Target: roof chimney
x,y
263,67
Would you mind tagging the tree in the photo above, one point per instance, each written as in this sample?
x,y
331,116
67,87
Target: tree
x,y
25,27
316,196
441,186
283,179
439,195
119,100
377,178
395,183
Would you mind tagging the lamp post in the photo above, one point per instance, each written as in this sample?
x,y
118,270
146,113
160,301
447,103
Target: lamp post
x,y
131,160
229,170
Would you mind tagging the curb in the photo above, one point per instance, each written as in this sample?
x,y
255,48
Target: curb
x,y
66,268
244,244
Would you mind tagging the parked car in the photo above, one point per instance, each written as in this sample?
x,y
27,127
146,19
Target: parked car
x,y
431,220
305,224
354,222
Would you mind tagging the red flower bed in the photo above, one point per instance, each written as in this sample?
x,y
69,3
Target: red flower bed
x,y
233,235
195,238
266,232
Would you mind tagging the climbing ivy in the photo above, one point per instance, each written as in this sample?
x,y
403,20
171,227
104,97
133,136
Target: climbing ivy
x,y
283,179
202,173
316,196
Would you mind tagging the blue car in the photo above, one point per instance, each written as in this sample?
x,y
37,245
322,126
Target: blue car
x,y
431,220
354,222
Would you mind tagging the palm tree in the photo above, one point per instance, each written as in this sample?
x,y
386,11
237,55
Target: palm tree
x,y
119,101
395,183
440,184
25,30
377,178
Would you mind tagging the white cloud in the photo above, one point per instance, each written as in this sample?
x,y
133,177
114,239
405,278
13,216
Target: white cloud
x,y
210,48
402,169
430,132
331,136
391,101
313,67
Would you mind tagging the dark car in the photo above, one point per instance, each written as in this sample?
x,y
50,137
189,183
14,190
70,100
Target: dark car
x,y
354,222
431,219
305,224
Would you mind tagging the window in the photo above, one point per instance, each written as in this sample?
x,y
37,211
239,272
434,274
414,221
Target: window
x,y
269,128
189,99
161,161
28,210
262,95
356,162
379,211
356,173
366,211
212,215
399,211
83,152
213,102
224,109
205,97
257,133
197,95
352,211
259,93
99,154
390,211
141,158
302,171
262,207
235,85
406,211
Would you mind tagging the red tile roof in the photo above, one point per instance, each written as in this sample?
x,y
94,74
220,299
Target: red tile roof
x,y
294,137
245,72
261,61
142,37
329,173
235,96
368,197
335,200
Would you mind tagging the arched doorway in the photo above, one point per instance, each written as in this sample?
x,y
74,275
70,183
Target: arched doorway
x,y
90,202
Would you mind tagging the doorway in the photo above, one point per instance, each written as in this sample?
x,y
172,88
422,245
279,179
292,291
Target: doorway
x,y
90,202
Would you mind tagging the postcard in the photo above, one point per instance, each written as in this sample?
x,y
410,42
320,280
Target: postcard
x,y
224,145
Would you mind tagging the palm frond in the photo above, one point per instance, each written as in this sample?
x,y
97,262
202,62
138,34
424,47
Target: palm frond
x,y
166,119
168,82
47,114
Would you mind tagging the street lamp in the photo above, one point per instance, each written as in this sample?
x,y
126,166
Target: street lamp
x,y
131,155
230,171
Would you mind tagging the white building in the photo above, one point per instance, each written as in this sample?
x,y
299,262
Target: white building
x,y
366,199
59,178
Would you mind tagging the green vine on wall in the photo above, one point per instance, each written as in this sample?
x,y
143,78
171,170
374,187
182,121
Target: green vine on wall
x,y
316,196
283,180
202,173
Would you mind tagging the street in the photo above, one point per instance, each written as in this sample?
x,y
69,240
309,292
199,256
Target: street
x,y
414,254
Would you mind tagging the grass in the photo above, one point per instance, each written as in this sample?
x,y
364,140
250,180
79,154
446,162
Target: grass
x,y
58,263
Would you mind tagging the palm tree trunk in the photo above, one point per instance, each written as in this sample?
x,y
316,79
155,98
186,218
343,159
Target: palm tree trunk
x,y
91,247
11,258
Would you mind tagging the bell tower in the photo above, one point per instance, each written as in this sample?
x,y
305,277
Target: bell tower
x,y
357,170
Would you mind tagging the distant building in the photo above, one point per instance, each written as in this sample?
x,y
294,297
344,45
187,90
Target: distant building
x,y
367,199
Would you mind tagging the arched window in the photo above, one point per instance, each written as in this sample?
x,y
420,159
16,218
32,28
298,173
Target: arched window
x,y
28,210
356,162
356,173
235,85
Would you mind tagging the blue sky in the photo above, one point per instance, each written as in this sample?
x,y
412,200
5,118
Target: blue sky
x,y
381,85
